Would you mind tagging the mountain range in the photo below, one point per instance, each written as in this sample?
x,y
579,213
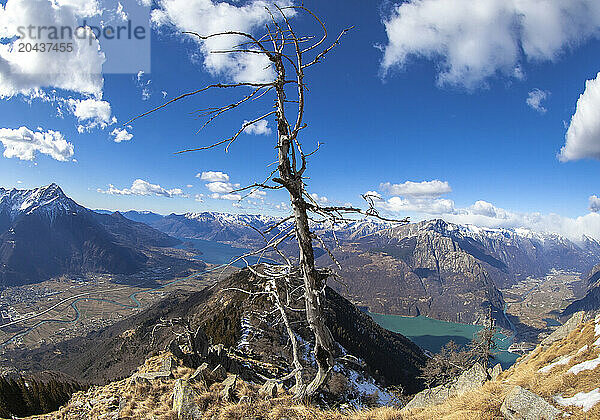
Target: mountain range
x,y
434,268
44,233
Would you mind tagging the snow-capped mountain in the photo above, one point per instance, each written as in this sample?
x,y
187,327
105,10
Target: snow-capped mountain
x,y
44,233
49,201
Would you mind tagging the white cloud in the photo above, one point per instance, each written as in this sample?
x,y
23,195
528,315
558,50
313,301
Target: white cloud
x,y
199,198
141,187
144,85
485,214
258,128
210,16
28,73
595,204
373,195
121,134
318,199
221,187
433,188
418,204
535,99
23,143
231,197
473,40
213,176
583,135
257,194
91,113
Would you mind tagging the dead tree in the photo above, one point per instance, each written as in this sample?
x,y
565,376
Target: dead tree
x,y
290,55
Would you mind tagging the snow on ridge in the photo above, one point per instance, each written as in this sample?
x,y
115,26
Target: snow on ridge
x,y
561,361
49,199
585,400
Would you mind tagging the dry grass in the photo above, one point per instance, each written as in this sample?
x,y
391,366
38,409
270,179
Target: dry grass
x,y
153,400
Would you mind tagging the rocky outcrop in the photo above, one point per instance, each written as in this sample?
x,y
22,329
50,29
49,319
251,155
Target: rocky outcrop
x,y
591,301
184,404
522,404
469,380
564,330
495,372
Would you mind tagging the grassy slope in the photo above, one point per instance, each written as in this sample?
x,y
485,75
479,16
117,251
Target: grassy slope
x,y
154,401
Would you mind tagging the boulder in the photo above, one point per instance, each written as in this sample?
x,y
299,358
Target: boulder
x,y
564,330
201,374
219,373
268,390
168,364
495,372
468,381
184,404
429,397
522,404
229,384
151,376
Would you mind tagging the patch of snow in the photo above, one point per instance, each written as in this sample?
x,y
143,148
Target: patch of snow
x,y
597,330
597,342
561,361
587,365
246,331
585,400
581,350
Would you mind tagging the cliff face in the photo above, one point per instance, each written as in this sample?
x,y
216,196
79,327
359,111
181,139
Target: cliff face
x,y
591,301
412,271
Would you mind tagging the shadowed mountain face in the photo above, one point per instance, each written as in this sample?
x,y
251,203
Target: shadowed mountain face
x,y
227,316
591,301
43,233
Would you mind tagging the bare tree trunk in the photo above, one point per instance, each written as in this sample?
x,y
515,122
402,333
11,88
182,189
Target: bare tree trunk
x,y
314,285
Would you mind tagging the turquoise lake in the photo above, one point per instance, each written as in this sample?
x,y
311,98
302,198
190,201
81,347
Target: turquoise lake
x,y
215,252
429,334
432,334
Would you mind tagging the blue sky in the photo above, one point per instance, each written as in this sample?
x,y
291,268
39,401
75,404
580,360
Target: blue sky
x,y
393,103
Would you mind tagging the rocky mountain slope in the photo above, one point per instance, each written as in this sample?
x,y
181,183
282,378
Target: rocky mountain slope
x,y
559,379
228,317
44,233
591,300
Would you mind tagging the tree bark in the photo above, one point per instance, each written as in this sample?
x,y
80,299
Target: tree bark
x,y
314,284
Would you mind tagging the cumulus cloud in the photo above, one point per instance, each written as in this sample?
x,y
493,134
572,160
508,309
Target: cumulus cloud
x,y
433,188
23,143
199,198
121,134
212,16
418,204
535,99
583,135
91,113
595,204
141,187
473,40
213,176
260,128
318,199
486,214
221,187
257,194
28,73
